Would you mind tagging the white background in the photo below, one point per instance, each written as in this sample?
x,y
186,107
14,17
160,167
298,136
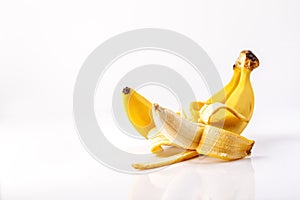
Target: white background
x,y
43,45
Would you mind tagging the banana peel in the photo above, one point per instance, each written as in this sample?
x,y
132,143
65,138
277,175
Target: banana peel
x,y
188,154
222,144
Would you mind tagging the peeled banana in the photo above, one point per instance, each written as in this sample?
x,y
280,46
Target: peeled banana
x,y
179,131
197,138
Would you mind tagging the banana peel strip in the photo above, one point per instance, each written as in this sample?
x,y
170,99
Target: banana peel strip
x,y
188,154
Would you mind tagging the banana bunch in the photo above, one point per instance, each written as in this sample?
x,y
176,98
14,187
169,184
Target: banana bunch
x,y
214,127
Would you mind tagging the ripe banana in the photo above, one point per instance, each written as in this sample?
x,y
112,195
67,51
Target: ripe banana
x,y
223,94
240,101
138,110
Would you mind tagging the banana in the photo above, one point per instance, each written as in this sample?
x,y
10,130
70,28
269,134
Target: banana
x,y
196,138
223,94
216,124
138,110
240,101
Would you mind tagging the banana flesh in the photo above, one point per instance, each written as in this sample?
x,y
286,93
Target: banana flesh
x,y
179,131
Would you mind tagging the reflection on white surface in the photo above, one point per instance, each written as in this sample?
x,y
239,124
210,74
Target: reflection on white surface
x,y
52,164
201,178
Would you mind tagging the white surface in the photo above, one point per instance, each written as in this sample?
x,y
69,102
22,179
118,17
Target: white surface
x,y
42,47
50,163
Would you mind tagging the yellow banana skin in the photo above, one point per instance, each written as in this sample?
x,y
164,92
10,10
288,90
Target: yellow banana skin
x,y
188,154
138,110
213,140
221,96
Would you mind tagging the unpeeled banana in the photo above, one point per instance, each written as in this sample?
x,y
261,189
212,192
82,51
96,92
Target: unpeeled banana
x,y
215,125
241,99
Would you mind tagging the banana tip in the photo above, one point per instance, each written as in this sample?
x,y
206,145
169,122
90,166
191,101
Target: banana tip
x,y
248,60
250,148
156,106
126,90
138,166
